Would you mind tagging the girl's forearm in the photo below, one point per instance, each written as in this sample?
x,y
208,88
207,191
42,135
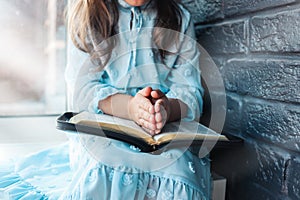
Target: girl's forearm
x,y
178,110
116,105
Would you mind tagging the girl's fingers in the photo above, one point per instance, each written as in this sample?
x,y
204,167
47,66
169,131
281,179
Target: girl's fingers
x,y
161,118
160,121
147,125
146,116
151,114
158,117
159,125
146,92
145,104
157,94
151,132
157,106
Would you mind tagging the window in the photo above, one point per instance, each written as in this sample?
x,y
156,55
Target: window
x,y
32,59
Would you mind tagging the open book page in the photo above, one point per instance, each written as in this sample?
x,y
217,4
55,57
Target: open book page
x,y
108,122
177,131
187,131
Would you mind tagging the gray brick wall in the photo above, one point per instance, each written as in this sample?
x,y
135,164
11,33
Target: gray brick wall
x,y
255,45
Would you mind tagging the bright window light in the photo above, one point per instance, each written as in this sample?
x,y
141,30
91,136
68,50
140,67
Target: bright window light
x,y
32,58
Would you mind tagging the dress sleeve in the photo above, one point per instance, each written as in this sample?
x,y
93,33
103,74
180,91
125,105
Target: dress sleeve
x,y
185,75
86,84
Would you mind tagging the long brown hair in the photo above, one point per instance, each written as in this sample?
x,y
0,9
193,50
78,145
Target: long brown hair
x,y
92,21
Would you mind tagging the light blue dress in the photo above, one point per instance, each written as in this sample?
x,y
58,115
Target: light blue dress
x,y
91,167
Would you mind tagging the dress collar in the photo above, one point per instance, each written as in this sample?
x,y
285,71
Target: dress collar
x,y
124,4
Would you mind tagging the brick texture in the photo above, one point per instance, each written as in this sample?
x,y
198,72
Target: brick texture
x,y
255,45
267,79
276,123
262,171
276,33
233,123
223,39
293,177
239,7
205,10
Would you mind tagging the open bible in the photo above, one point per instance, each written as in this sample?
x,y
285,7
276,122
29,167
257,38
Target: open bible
x,y
174,134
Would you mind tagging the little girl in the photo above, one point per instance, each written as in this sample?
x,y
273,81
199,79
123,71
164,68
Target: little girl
x,y
135,60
